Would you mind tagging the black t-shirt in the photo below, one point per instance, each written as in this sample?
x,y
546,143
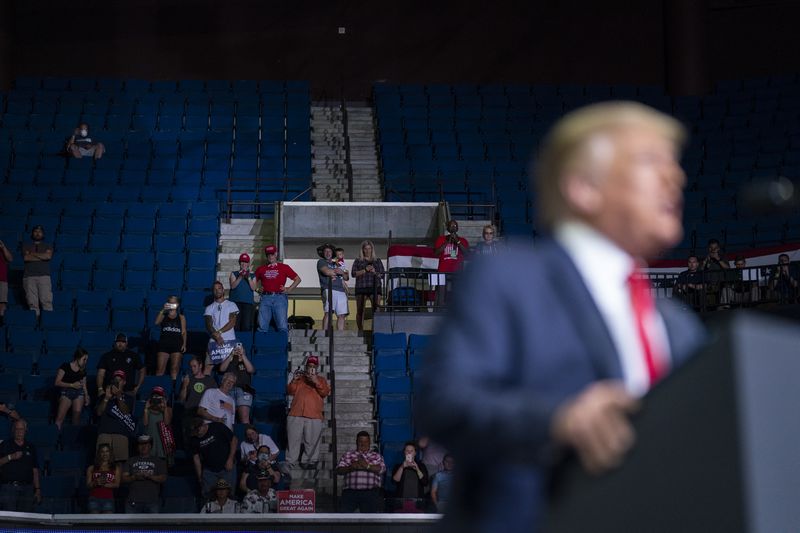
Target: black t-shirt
x,y
19,470
213,447
127,361
243,377
70,376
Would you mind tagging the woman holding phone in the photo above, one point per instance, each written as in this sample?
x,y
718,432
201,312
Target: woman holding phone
x,y
242,392
172,342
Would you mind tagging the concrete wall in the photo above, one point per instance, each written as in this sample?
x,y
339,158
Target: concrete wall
x,y
354,221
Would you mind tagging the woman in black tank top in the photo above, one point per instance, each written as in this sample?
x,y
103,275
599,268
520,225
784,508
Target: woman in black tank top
x,y
172,342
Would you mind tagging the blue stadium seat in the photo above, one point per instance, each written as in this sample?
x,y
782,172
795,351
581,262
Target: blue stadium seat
x,y
127,300
391,359
168,259
129,320
169,280
395,429
394,406
38,388
138,279
94,300
389,340
91,320
63,342
392,382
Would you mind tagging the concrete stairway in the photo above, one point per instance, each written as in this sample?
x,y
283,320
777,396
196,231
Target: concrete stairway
x,y
240,235
328,154
354,399
363,154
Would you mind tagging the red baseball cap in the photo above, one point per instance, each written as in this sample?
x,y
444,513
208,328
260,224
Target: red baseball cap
x,y
312,360
244,258
159,390
119,374
270,249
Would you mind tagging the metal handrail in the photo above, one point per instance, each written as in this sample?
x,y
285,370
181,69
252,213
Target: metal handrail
x,y
347,162
334,436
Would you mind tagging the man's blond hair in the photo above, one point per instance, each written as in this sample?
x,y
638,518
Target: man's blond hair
x,y
569,138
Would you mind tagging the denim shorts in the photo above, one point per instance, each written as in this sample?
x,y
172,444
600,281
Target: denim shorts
x,y
72,394
101,505
240,397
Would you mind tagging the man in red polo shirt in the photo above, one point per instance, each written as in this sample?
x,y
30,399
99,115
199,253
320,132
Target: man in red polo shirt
x,y
274,299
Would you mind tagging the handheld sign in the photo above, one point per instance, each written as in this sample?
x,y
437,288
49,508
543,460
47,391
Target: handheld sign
x,y
219,352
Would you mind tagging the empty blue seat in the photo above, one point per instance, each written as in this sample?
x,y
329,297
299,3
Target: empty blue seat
x,y
392,382
138,279
389,340
389,359
394,406
169,280
57,320
130,320
127,300
63,342
91,320
395,430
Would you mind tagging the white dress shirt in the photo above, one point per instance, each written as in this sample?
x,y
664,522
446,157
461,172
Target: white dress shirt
x,y
605,268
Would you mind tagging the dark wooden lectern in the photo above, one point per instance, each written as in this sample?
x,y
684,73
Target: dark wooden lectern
x,y
718,446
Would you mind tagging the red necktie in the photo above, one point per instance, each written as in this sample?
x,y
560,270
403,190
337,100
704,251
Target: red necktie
x,y
643,311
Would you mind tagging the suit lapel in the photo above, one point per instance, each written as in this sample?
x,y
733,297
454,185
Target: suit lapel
x,y
586,318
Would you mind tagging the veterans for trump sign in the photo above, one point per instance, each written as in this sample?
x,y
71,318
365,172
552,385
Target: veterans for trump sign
x,y
297,501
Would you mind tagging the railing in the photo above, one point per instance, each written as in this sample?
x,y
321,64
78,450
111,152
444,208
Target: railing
x,y
279,189
416,290
347,163
334,436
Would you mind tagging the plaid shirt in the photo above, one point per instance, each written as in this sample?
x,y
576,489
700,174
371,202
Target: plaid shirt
x,y
368,279
362,479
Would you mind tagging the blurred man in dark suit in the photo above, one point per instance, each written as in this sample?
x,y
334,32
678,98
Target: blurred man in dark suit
x,y
549,348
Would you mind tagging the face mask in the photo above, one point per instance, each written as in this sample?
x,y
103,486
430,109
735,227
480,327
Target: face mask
x,y
263,457
84,133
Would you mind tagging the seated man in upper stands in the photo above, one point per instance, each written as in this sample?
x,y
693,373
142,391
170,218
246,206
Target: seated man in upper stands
x,y
689,285
783,280
81,144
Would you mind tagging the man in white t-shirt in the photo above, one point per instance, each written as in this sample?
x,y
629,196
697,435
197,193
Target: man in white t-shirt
x,y
221,316
216,405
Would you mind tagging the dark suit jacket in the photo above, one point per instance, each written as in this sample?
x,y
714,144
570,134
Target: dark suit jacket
x,y
523,336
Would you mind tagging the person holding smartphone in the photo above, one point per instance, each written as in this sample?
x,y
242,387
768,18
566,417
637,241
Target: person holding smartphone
x,y
411,478
172,342
242,392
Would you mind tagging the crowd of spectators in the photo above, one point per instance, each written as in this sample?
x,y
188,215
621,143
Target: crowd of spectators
x,y
712,283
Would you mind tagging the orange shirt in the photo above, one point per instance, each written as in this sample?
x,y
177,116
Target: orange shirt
x,y
307,400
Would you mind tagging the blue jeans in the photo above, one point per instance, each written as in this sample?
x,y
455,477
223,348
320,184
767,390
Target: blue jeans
x,y
273,306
